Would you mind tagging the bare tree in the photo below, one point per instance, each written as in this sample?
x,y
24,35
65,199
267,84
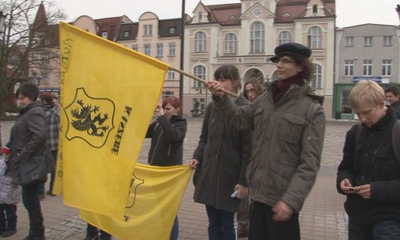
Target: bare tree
x,y
25,44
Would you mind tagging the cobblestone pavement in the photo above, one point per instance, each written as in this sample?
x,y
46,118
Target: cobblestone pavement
x,y
322,217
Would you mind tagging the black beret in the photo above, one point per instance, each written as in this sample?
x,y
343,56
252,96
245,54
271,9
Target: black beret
x,y
291,49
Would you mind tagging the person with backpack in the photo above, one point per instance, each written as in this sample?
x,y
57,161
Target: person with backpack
x,y
369,172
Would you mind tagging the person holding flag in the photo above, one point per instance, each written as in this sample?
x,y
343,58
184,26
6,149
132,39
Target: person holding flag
x,y
167,134
221,160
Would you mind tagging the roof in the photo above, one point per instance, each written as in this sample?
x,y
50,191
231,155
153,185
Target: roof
x,y
225,14
40,23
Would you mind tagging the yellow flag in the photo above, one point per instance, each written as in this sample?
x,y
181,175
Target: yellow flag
x,y
108,96
155,196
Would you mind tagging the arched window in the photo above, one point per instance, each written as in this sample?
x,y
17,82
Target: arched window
x,y
257,37
200,72
286,15
230,43
200,42
232,17
317,81
314,37
284,37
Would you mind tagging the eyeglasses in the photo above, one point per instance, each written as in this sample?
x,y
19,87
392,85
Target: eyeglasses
x,y
284,61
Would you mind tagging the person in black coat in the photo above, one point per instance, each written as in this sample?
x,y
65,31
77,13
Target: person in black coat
x,y
167,134
28,139
369,174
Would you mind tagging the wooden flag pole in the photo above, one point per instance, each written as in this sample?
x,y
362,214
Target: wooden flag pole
x,y
201,80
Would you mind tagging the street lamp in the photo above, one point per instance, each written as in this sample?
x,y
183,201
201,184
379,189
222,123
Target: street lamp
x,y
2,20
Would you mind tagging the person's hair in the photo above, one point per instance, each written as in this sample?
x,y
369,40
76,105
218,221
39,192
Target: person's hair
x,y
228,72
28,90
256,84
308,70
174,101
47,98
394,90
366,92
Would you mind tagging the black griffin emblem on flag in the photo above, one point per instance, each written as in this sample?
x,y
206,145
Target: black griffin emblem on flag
x,y
90,119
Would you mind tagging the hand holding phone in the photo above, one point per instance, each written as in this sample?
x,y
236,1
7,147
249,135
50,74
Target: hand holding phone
x,y
352,188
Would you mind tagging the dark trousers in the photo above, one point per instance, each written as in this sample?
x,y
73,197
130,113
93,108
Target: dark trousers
x,y
31,201
93,231
263,227
53,172
220,224
175,230
8,217
382,230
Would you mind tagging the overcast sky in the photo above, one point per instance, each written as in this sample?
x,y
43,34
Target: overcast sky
x,y
349,12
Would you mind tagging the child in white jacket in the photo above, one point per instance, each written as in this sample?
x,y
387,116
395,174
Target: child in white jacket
x,y
10,196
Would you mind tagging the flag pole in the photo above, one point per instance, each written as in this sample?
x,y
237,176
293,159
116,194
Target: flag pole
x,y
201,80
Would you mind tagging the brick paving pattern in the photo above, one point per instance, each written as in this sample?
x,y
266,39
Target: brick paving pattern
x,y
322,217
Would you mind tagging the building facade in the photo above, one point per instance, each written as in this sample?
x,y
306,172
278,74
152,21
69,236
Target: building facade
x,y
367,51
246,34
156,38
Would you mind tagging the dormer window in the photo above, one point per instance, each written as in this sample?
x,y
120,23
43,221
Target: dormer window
x,y
200,16
232,17
286,15
172,30
104,34
127,33
148,30
315,9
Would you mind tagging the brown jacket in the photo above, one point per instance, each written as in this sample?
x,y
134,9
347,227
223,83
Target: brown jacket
x,y
288,141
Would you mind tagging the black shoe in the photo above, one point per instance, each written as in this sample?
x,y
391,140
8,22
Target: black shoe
x,y
8,233
92,237
50,193
41,196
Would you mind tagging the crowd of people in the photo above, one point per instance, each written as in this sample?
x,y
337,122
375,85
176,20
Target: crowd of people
x,y
257,157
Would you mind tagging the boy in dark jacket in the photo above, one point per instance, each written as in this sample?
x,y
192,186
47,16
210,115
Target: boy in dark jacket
x,y
369,172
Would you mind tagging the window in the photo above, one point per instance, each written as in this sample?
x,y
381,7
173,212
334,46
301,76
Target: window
x,y
387,40
200,72
45,60
386,67
172,30
200,42
286,15
172,49
230,43
284,37
127,33
135,47
159,50
257,34
171,74
349,67
147,49
367,68
104,34
317,81
314,37
315,9
166,94
148,30
47,41
367,41
200,16
349,41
